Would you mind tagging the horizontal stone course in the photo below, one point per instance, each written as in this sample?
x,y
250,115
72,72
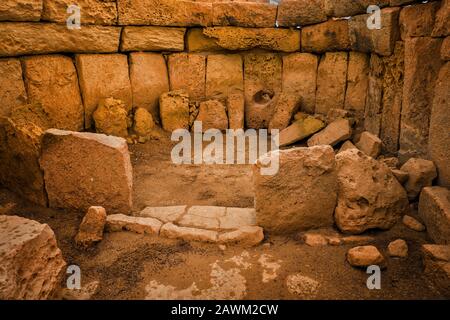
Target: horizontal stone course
x,y
20,10
152,39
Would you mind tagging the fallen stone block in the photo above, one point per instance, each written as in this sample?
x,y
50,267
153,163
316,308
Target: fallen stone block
x,y
421,174
164,214
91,227
300,130
21,10
398,248
328,36
244,236
369,196
293,13
121,222
111,118
413,224
436,259
171,231
434,209
12,88
364,256
306,183
335,132
174,110
143,123
370,144
286,106
244,14
212,115
187,72
152,39
85,169
32,264
347,145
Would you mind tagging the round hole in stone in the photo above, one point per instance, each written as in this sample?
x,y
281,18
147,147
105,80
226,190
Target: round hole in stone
x,y
263,96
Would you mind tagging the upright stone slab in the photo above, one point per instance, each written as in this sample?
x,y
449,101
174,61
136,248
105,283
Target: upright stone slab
x,y
244,14
52,81
152,39
20,10
12,89
328,36
101,77
442,25
224,75
149,80
301,195
187,72
300,78
357,83
418,20
32,264
213,115
174,110
292,13
434,209
439,139
235,110
87,169
373,109
422,66
331,81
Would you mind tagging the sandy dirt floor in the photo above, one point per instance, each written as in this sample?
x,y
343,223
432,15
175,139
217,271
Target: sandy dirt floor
x,y
132,266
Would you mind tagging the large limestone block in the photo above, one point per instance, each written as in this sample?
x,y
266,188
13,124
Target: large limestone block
x,y
380,41
174,110
442,22
32,264
152,39
421,72
98,12
418,20
213,115
111,118
52,81
20,148
300,77
331,81
187,72
197,41
236,110
244,14
357,82
262,81
328,36
101,77
149,80
337,131
37,38
439,139
237,38
434,209
20,10
224,75
87,169
369,195
164,13
12,89
299,130
347,8
292,13
301,196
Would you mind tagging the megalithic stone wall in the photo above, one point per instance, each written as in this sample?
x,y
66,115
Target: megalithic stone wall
x,y
320,50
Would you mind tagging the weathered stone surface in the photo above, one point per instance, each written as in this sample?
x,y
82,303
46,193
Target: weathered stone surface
x,y
421,71
331,80
357,82
20,10
418,20
32,264
364,256
337,131
111,118
20,147
442,22
12,89
152,39
300,130
374,109
421,174
52,82
413,224
434,209
236,110
347,145
439,134
369,196
245,14
235,218
302,195
436,259
300,78
101,77
400,175
143,123
174,110
187,72
171,231
286,106
380,41
328,36
164,13
398,248
436,252
445,49
85,169
262,82
164,214
38,38
237,38
391,162
370,144
213,115
224,75
245,236
149,80
98,12
336,113
347,8
314,239
91,228
292,13
197,41
120,222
